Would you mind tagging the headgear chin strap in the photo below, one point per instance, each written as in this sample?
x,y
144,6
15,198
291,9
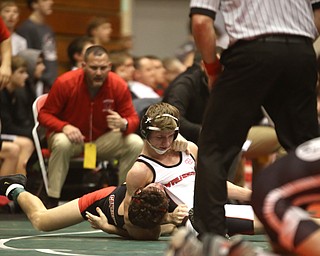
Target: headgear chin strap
x,y
146,125
158,151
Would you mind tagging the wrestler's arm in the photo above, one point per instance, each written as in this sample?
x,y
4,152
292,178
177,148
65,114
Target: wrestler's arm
x,y
181,211
111,229
138,177
168,229
101,222
238,193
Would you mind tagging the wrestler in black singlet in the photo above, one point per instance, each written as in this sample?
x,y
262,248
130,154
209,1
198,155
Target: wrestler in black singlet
x,y
110,206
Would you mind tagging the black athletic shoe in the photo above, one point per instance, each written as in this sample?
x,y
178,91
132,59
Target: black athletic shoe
x,y
6,181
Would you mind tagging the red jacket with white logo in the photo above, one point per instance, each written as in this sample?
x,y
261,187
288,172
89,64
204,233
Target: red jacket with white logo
x,y
69,102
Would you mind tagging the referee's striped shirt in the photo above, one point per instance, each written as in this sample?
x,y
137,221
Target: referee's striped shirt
x,y
247,19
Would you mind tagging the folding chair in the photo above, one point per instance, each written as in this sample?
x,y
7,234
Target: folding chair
x,y
36,106
43,153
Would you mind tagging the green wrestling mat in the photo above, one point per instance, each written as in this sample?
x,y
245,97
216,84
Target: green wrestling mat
x,y
18,238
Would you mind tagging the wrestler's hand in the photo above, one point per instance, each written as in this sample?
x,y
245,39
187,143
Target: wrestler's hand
x,y
180,144
178,215
98,222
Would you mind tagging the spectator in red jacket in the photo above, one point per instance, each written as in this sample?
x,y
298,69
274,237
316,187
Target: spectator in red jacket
x,y
89,105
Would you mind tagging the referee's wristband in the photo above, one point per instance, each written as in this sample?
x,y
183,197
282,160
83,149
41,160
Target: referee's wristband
x,y
213,68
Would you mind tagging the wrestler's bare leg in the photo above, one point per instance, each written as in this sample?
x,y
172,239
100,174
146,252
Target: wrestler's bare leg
x,y
49,219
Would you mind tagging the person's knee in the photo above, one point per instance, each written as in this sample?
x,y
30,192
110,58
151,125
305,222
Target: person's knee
x,y
61,143
28,145
39,222
25,143
15,150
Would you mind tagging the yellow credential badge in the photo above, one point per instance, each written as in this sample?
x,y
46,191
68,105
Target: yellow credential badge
x,y
90,156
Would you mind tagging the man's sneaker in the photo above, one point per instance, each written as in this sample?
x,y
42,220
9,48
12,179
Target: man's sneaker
x,y
184,243
7,181
240,247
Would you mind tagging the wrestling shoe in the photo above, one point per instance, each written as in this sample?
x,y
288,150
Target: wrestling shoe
x,y
7,181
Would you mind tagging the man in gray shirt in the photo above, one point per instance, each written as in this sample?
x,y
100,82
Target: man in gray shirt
x,y
40,36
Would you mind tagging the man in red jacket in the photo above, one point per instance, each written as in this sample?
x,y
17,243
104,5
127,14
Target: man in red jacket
x,y
89,106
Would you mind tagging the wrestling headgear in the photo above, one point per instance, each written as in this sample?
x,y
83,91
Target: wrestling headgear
x,y
147,125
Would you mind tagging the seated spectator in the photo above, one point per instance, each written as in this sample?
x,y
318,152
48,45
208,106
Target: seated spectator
x,y
76,118
186,51
76,50
18,129
33,88
10,15
9,157
143,84
100,29
35,68
189,93
173,67
159,73
122,64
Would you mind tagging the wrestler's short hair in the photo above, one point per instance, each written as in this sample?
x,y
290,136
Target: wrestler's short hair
x,y
160,116
148,207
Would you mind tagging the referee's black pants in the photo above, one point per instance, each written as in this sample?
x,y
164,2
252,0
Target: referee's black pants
x,y
281,76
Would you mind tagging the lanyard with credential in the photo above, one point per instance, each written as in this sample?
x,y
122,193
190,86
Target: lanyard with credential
x,y
90,149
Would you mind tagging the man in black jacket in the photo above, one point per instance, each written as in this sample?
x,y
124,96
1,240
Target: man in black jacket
x,y
189,93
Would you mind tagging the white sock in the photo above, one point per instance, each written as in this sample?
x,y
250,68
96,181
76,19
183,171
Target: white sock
x,y
12,187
